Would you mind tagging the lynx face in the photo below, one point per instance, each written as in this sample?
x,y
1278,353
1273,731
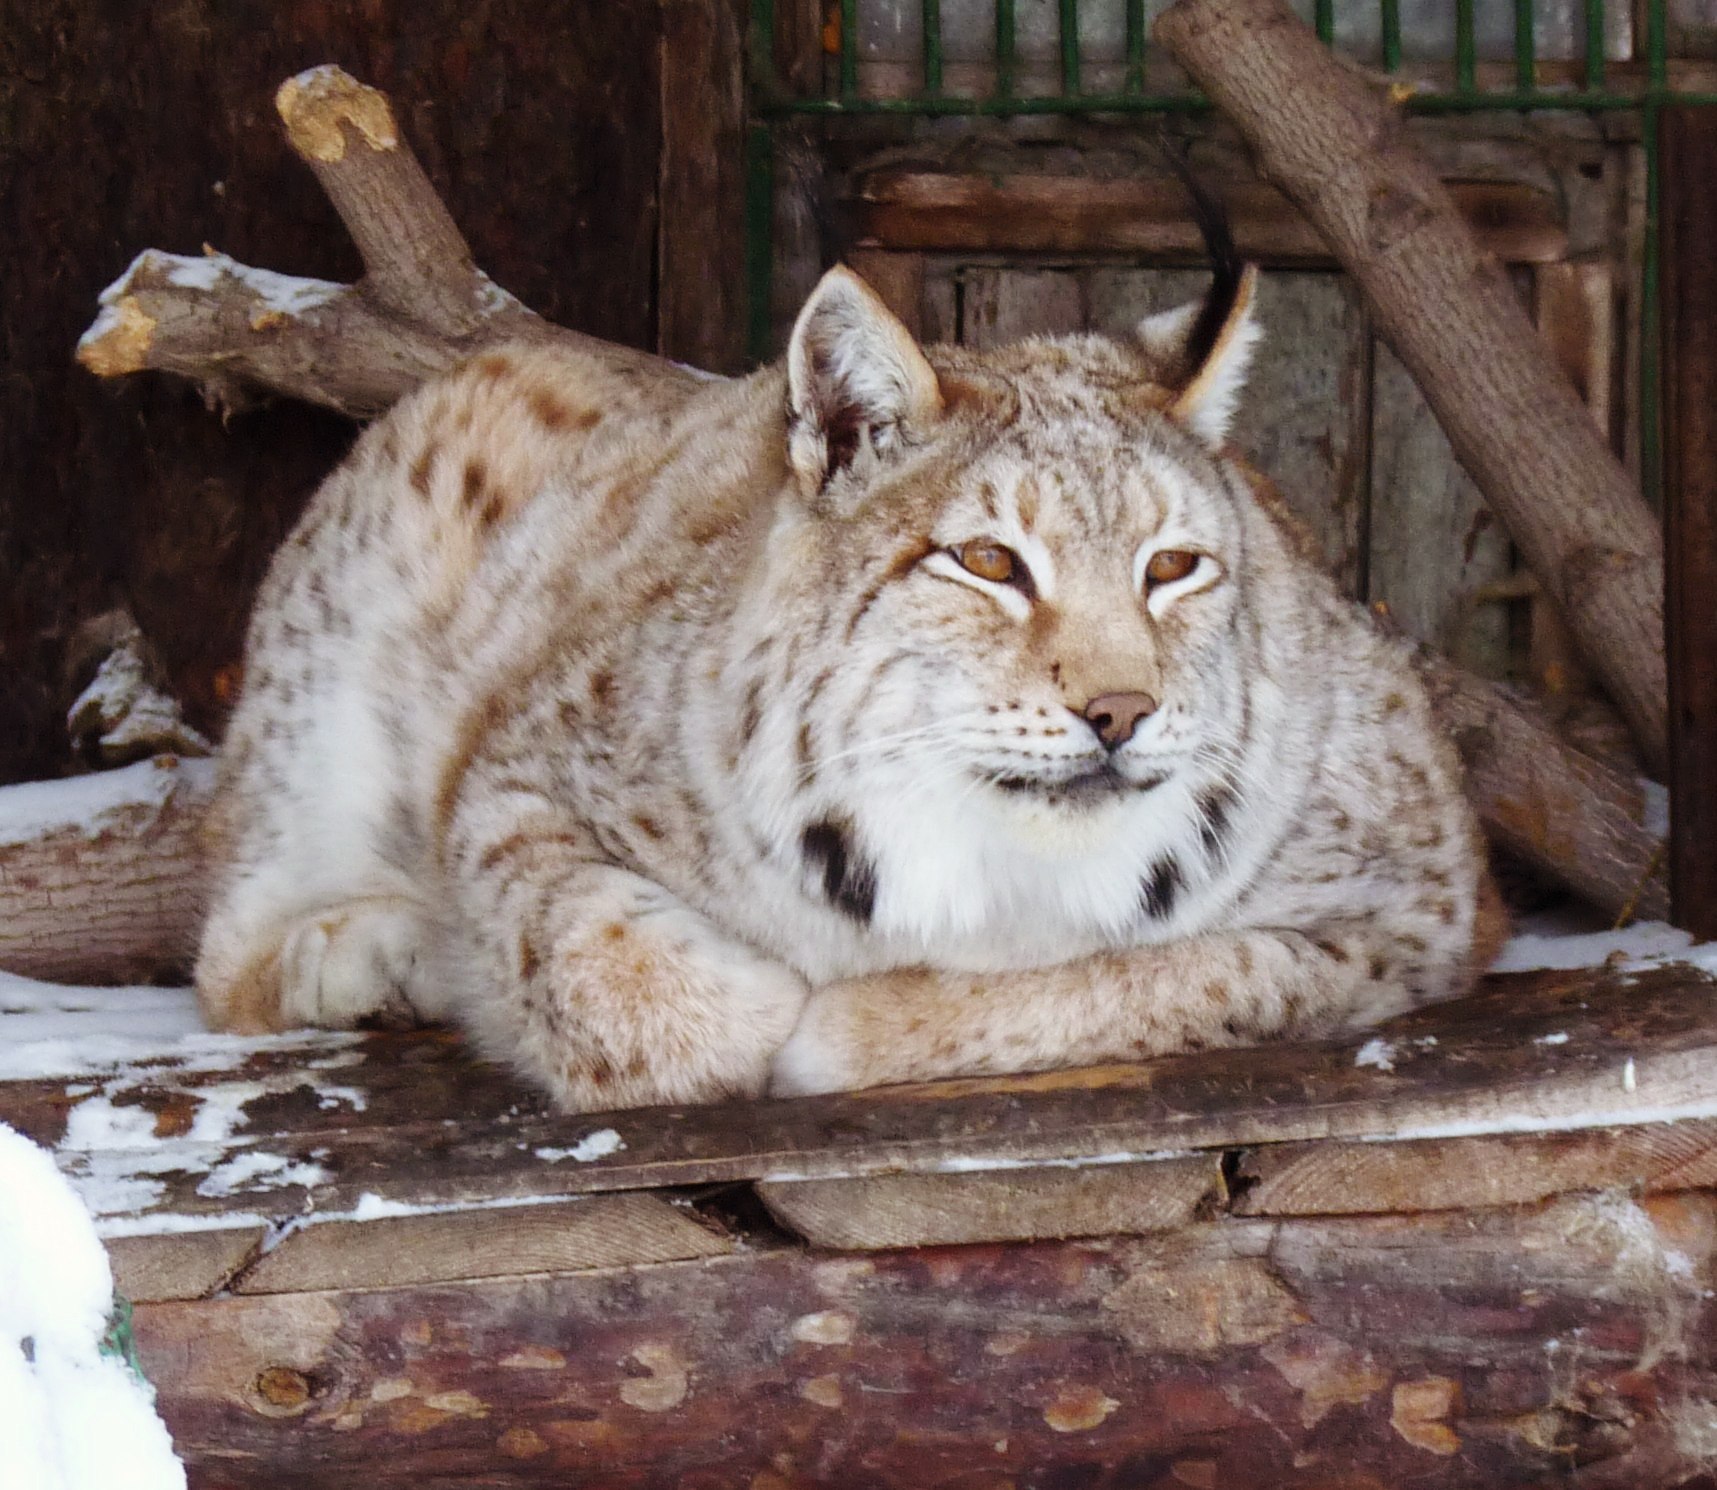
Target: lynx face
x,y
1030,579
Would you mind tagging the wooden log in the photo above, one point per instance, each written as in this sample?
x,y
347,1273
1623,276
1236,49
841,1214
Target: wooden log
x,y
1474,1349
1690,506
101,876
943,212
1326,136
1583,822
421,306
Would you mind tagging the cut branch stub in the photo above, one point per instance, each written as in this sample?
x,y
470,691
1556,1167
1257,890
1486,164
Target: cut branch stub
x,y
416,260
1329,139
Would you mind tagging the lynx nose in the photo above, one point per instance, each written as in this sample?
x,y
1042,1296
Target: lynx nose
x,y
1116,715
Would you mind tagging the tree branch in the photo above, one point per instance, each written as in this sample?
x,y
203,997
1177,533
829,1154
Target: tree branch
x,y
421,306
1324,134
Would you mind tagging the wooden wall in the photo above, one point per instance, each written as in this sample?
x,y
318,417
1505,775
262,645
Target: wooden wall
x,y
554,133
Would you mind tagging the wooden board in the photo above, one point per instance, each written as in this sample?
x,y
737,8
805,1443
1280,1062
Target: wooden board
x,y
998,306
943,212
1488,1349
316,1124
148,124
1690,509
1436,554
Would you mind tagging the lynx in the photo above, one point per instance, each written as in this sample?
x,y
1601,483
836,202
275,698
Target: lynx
x,y
892,713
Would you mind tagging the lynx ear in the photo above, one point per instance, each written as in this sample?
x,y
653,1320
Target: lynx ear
x,y
854,376
1210,346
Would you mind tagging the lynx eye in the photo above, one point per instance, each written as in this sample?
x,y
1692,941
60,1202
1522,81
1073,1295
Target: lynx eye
x,y
991,561
1169,565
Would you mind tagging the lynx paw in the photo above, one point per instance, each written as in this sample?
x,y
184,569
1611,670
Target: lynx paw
x,y
820,1055
352,962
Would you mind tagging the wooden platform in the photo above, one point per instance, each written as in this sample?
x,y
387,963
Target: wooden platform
x,y
1479,1249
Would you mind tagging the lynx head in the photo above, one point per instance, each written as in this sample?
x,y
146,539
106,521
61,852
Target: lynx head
x,y
1029,572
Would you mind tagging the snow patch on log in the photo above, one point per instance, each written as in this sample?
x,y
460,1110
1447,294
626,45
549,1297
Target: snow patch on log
x,y
597,1145
285,294
90,806
1644,944
125,715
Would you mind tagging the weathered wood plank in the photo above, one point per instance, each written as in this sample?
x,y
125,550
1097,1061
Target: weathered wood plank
x,y
1690,508
1332,1179
412,1119
1004,1205
998,306
179,1265
1437,554
700,240
593,1231
898,278
945,212
1463,1350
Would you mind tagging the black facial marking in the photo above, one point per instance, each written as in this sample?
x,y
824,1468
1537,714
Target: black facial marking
x,y
1160,888
1216,804
849,879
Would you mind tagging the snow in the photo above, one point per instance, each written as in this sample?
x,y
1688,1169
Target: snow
x,y
597,1145
1378,1053
252,1169
283,293
1644,943
70,1417
126,714
91,805
1655,819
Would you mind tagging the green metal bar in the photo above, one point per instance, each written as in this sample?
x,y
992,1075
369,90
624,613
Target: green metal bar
x,y
1193,103
1390,14
1324,20
1656,49
1004,50
1594,44
759,240
932,46
1466,51
762,46
849,48
1136,45
1069,31
1525,47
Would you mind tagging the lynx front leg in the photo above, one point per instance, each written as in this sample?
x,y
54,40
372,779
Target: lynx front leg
x,y
608,990
1208,991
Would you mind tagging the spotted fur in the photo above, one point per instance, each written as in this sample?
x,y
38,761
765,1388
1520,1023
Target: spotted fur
x,y
654,727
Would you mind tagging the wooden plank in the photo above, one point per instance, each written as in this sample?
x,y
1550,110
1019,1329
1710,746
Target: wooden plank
x,y
595,1231
700,242
1438,1351
179,1265
998,306
1437,555
932,1210
412,1119
947,212
1302,415
1330,1179
1690,507
898,278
